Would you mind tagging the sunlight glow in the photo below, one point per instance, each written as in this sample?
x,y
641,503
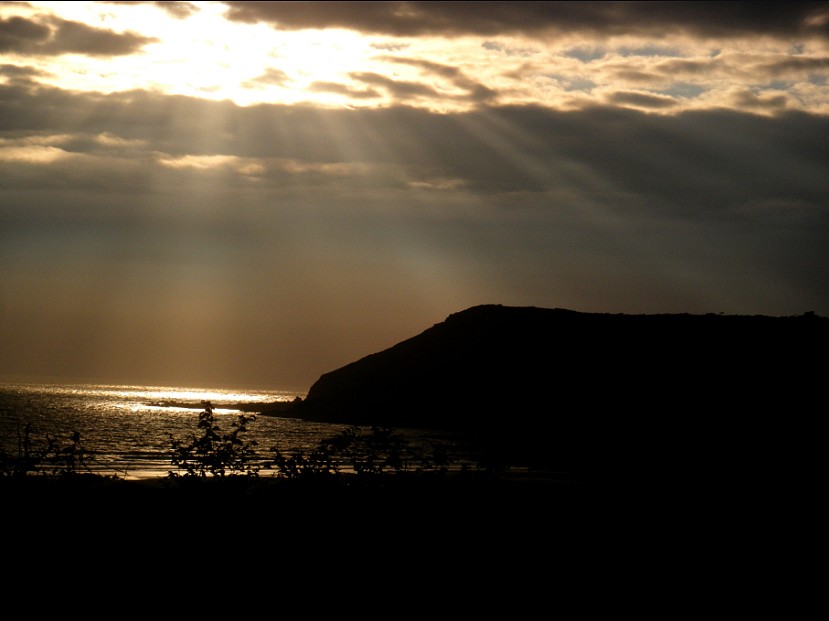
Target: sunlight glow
x,y
201,162
32,154
201,53
48,149
209,57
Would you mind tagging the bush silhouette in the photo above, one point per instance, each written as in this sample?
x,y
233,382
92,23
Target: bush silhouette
x,y
213,453
49,456
378,451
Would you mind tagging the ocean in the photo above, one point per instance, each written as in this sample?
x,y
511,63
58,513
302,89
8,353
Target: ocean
x,y
128,429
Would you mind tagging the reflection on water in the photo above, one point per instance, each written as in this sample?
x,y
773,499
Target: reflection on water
x,y
128,428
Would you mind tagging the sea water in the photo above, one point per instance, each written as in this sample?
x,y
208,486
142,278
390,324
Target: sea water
x,y
128,429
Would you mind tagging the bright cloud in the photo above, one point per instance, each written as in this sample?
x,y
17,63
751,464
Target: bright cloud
x,y
391,53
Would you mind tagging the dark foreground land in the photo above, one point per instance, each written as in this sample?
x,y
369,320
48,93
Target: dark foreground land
x,y
292,499
511,532
379,527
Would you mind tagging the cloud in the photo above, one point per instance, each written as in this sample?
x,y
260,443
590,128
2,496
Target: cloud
x,y
54,36
273,169
563,71
496,46
688,66
721,19
476,91
179,10
21,34
20,75
648,50
689,164
342,89
586,54
398,89
270,76
390,46
794,65
768,101
642,100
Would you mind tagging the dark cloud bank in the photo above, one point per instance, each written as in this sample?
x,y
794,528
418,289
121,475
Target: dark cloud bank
x,y
702,162
660,19
52,36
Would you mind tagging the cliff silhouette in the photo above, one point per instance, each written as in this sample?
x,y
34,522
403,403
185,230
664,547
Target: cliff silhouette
x,y
579,391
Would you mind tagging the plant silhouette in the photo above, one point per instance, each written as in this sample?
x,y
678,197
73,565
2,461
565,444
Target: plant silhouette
x,y
213,453
373,452
50,456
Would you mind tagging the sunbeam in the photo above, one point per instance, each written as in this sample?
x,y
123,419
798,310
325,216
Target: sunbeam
x,y
259,192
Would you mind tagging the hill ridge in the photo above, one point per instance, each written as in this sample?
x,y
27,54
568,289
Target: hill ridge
x,y
551,381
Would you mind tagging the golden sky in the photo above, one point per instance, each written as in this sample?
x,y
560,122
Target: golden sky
x,y
259,192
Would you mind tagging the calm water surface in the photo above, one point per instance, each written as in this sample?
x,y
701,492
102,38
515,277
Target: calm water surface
x,y
128,428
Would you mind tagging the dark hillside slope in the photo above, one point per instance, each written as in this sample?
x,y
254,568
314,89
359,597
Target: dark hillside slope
x,y
566,387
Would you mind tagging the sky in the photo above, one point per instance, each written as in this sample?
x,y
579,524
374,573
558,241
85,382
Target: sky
x,y
252,194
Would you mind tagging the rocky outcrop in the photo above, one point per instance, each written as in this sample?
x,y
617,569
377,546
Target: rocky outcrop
x,y
558,382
